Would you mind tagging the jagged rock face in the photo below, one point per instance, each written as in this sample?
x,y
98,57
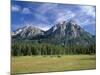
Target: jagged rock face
x,y
73,29
65,29
58,29
28,32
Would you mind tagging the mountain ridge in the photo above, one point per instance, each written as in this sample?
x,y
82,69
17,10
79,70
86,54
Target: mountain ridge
x,y
65,32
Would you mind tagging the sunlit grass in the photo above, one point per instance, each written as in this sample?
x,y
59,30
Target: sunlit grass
x,y
26,64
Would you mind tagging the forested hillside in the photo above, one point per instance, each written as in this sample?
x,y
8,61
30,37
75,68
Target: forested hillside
x,y
23,48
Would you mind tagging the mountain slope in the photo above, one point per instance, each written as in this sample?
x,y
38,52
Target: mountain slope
x,y
69,33
27,32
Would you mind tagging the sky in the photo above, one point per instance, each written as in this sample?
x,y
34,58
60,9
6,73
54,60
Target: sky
x,y
46,15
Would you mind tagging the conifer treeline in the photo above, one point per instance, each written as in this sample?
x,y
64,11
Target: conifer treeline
x,y
23,48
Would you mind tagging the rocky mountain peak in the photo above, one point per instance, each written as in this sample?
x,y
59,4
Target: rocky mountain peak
x,y
73,22
66,28
28,32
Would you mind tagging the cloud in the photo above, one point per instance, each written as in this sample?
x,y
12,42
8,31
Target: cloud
x,y
88,22
41,18
38,25
15,8
64,15
56,12
46,7
85,15
43,26
26,11
89,10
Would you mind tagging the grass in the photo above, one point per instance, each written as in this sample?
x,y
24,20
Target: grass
x,y
34,64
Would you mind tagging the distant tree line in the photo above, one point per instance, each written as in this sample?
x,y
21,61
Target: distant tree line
x,y
26,47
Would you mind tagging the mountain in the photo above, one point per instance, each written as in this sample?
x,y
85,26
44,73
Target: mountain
x,y
64,33
69,33
66,29
27,32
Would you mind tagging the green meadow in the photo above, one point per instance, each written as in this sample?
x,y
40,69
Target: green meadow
x,y
47,63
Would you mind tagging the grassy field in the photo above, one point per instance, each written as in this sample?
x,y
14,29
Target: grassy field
x,y
33,64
